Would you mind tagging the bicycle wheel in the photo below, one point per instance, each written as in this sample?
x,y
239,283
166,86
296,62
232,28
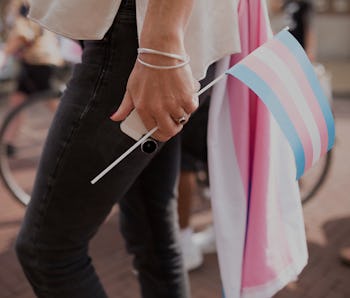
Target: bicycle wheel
x,y
28,126
314,178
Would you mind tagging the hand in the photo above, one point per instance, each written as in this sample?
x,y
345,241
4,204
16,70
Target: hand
x,y
160,97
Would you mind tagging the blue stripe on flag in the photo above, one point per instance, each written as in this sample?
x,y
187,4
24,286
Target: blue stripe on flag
x,y
296,49
254,82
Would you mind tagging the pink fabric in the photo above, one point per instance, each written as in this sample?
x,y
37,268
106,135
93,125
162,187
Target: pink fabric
x,y
299,74
256,204
250,127
287,102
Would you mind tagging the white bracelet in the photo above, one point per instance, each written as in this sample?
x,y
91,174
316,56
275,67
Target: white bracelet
x,y
161,53
182,64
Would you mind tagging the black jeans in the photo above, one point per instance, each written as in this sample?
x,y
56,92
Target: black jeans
x,y
66,211
34,78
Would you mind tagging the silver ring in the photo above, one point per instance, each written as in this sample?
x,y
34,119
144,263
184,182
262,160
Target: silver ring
x,y
182,120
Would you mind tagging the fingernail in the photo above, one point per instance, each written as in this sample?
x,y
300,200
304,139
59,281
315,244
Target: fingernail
x,y
113,116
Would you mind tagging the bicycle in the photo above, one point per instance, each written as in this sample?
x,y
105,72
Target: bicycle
x,y
314,179
310,184
18,171
18,168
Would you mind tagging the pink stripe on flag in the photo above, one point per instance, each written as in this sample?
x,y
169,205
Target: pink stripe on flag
x,y
264,71
284,53
265,256
239,96
240,102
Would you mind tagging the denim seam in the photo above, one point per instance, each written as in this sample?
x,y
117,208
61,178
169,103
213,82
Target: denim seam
x,y
76,125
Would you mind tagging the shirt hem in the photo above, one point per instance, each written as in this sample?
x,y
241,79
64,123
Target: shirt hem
x,y
71,36
203,72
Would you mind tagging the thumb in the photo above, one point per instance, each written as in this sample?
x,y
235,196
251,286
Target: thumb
x,y
197,86
124,109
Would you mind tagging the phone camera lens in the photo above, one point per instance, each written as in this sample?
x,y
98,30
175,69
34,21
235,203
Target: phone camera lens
x,y
149,146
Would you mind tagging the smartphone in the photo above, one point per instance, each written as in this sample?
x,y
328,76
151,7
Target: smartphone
x,y
134,128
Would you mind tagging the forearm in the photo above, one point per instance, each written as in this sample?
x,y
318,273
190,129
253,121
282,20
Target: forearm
x,y
161,97
165,25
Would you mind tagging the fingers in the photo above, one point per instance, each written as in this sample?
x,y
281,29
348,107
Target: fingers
x,y
168,123
180,117
124,109
197,86
162,99
190,104
167,128
169,119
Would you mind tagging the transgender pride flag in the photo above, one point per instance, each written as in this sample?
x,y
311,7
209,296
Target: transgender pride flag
x,y
258,142
280,73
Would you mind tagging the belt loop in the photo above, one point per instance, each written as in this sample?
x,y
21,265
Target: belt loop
x,y
129,4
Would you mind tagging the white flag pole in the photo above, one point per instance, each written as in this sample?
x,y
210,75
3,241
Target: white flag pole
x,y
125,154
146,136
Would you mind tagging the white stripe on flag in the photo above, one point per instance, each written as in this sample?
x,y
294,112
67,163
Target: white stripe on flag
x,y
279,67
228,198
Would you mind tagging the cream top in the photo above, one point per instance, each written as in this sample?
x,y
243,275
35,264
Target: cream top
x,y
212,32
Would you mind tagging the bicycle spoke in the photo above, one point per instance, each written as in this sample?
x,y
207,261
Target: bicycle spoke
x,y
28,126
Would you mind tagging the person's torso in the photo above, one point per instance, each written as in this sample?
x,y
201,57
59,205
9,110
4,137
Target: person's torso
x,y
212,32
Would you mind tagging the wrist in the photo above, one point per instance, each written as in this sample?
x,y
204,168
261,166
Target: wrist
x,y
163,60
165,25
171,42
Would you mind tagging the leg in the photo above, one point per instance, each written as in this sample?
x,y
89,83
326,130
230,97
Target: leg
x,y
193,151
66,210
344,255
148,220
193,257
187,187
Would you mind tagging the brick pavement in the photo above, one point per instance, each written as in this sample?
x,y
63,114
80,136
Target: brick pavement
x,y
327,221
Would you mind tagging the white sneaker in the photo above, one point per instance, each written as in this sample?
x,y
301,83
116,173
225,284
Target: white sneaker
x,y
192,255
205,240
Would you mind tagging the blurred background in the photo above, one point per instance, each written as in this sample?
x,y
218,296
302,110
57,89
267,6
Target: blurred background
x,y
323,27
329,22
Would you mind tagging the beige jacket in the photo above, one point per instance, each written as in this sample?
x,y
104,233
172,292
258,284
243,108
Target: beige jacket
x,y
212,32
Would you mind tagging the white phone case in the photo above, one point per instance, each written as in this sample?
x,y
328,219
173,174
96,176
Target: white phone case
x,y
133,126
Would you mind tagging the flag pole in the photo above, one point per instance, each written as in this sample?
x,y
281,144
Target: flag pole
x,y
125,154
146,136
210,84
